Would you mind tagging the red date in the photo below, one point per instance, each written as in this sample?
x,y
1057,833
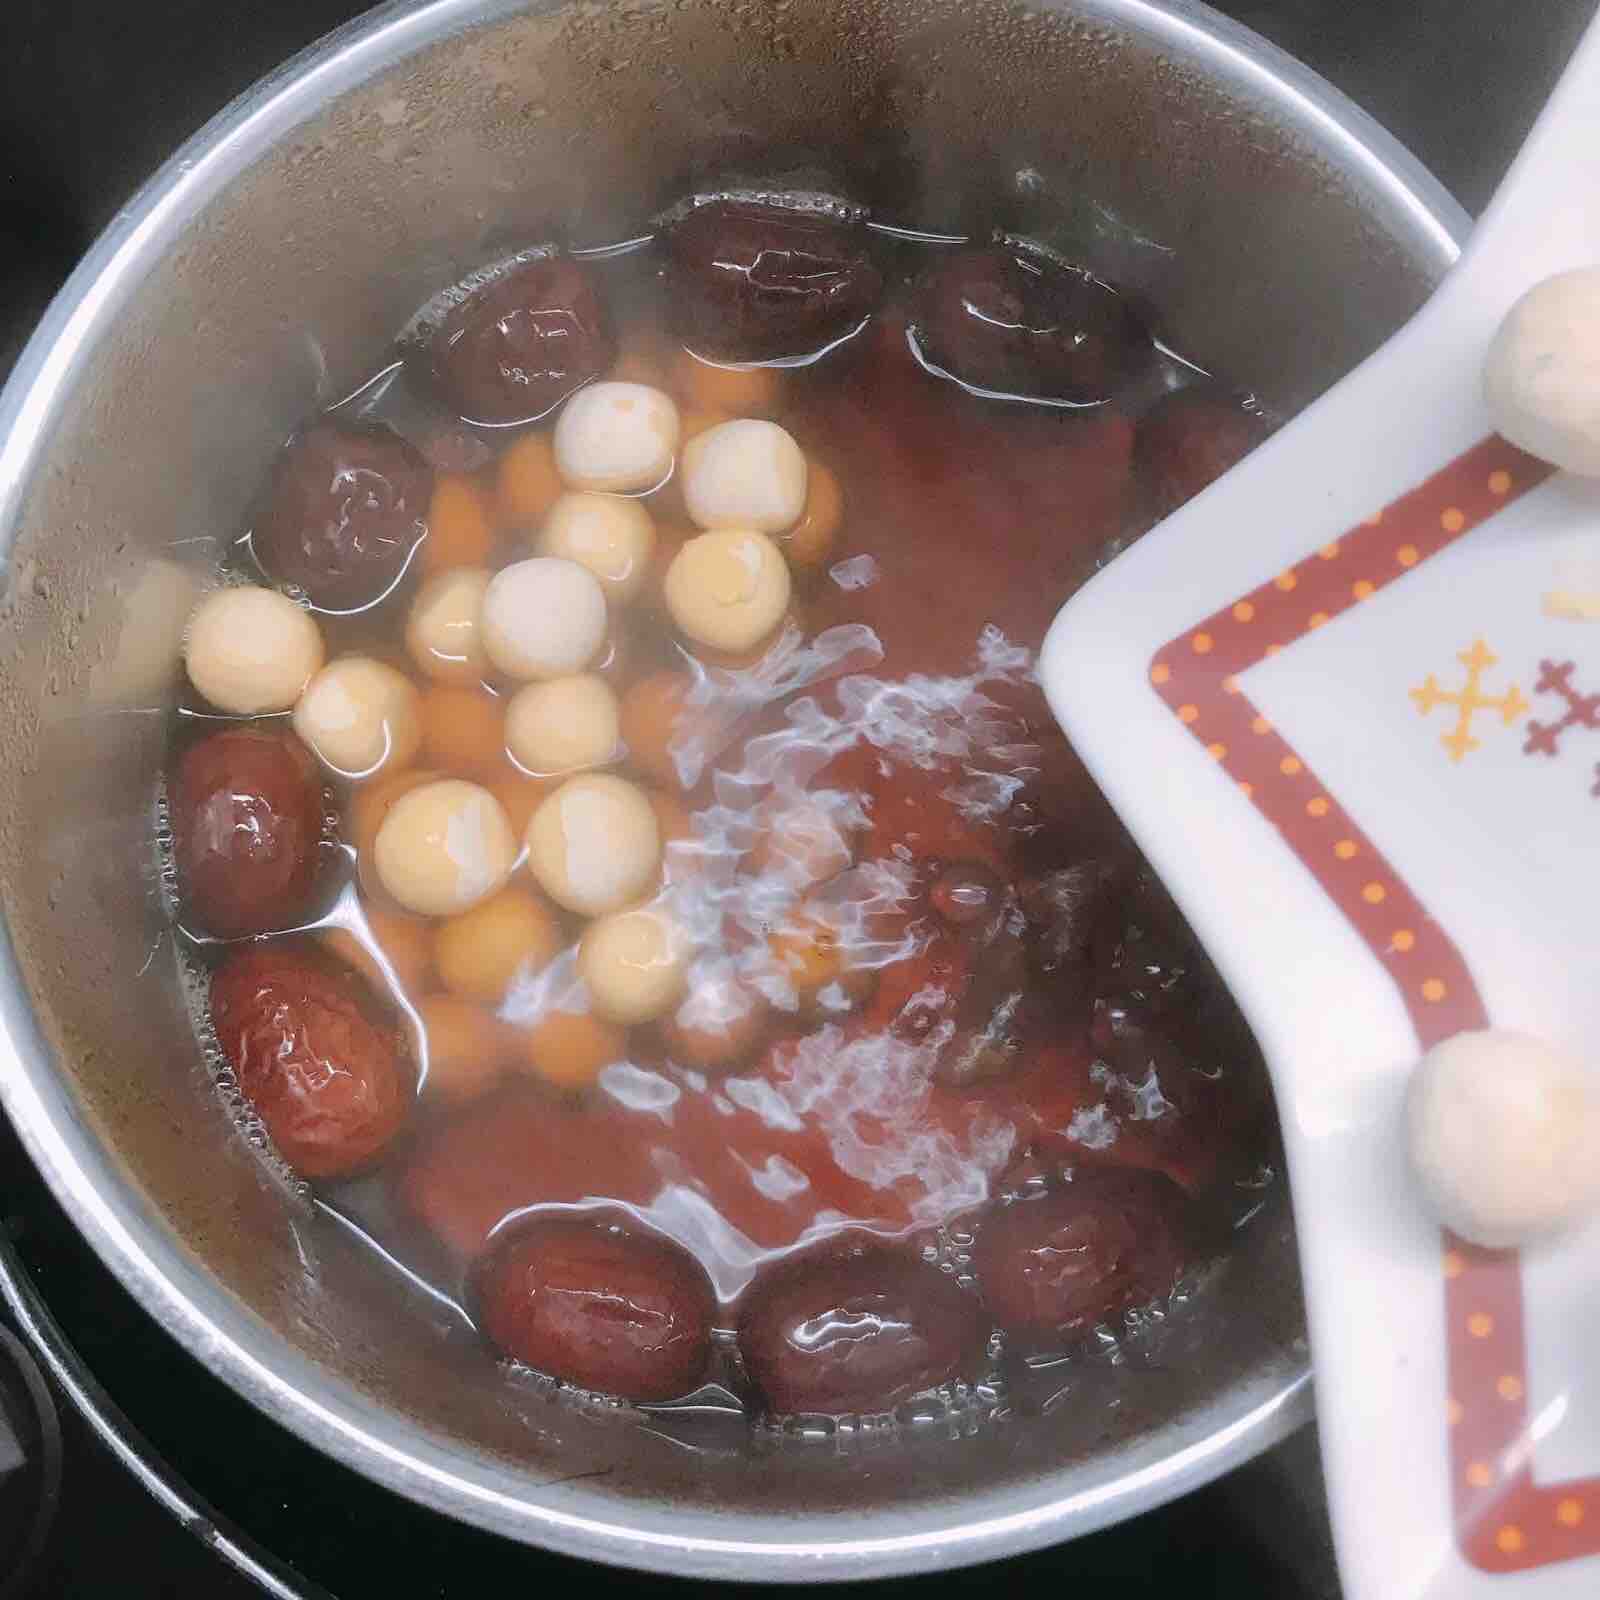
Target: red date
x,y
1187,441
858,1332
605,1309
1021,324
763,282
515,349
348,505
325,1073
247,828
1054,1267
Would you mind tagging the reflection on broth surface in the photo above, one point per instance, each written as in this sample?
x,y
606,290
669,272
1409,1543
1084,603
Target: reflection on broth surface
x,y
725,971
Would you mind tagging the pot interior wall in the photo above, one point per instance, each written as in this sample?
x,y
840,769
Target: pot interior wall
x,y
285,288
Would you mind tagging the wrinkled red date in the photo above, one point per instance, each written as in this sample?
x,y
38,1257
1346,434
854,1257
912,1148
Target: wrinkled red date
x,y
515,349
1055,1266
618,1312
327,1077
1187,441
838,1333
347,507
761,282
246,807
1021,324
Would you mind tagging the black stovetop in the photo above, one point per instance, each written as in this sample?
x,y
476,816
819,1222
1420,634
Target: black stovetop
x,y
154,1478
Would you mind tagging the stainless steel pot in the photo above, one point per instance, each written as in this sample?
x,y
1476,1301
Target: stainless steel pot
x,y
259,272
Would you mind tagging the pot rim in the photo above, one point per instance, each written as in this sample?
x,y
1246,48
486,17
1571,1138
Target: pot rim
x,y
173,1286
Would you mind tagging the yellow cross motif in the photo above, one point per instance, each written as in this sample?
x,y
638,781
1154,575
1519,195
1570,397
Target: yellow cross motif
x,y
1469,700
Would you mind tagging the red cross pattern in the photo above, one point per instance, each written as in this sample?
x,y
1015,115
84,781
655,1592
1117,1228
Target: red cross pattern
x,y
1582,710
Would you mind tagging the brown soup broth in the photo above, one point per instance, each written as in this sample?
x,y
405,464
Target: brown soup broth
x,y
951,1084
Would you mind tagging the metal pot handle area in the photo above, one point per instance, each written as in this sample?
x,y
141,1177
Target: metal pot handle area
x,y
44,1349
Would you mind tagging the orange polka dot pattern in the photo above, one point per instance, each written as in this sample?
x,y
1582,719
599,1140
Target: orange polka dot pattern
x,y
1505,1522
